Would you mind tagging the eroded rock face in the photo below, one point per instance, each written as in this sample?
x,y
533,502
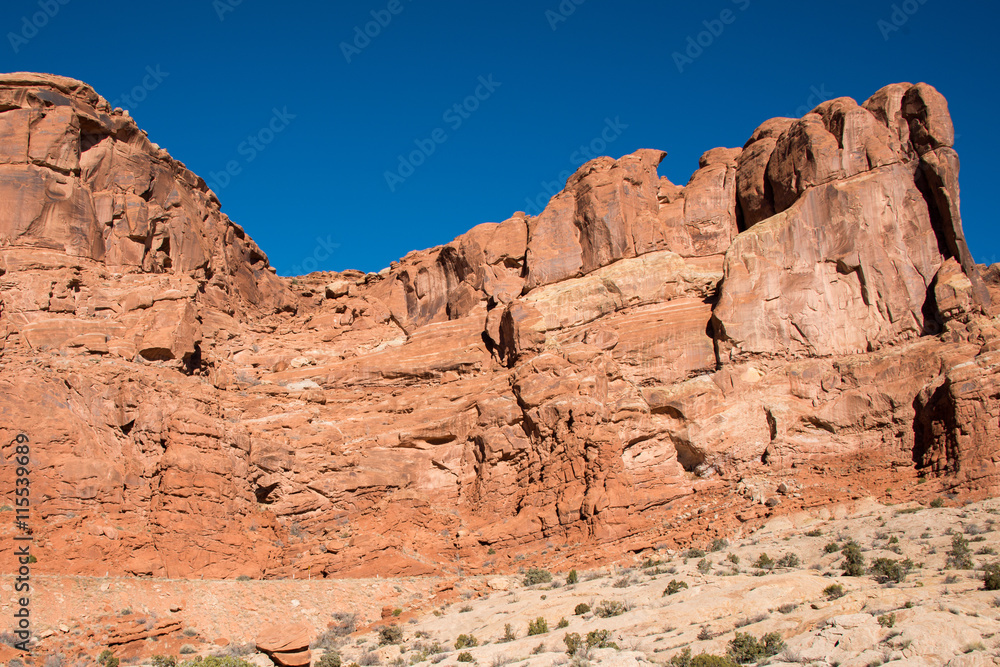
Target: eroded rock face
x,y
569,381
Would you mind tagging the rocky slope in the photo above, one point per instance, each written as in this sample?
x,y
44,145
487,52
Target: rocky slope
x,y
642,363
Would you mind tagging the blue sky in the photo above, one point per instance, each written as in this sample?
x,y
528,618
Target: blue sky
x,y
310,128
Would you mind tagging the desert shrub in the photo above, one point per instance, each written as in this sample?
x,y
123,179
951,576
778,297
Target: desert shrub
x,y
960,555
600,639
704,566
609,608
465,609
887,620
789,560
581,609
744,648
107,659
764,562
390,634
573,642
508,633
788,608
369,659
694,552
733,558
831,547
163,661
684,659
465,656
854,561
834,591
991,576
329,659
937,502
572,578
539,626
466,641
675,587
718,544
215,661
624,581
887,569
815,532
704,634
187,649
563,623
536,575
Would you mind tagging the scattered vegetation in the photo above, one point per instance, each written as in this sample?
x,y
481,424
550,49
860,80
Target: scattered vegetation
x,y
960,555
684,659
744,648
390,634
539,626
886,570
854,561
107,659
834,591
609,608
674,587
536,575
789,560
466,641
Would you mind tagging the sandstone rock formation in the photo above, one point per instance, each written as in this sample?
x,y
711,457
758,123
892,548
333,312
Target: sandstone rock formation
x,y
545,383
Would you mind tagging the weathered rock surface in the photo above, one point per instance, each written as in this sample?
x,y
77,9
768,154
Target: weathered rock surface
x,y
560,382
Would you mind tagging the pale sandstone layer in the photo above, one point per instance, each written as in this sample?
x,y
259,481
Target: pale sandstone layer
x,y
572,378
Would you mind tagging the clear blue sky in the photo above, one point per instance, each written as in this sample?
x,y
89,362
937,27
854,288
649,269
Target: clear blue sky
x,y
317,196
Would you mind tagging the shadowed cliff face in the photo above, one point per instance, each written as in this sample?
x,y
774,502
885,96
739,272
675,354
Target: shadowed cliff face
x,y
642,362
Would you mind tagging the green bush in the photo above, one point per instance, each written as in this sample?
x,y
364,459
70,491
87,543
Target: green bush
x,y
744,648
539,626
674,587
466,641
609,608
536,575
465,656
562,624
854,562
684,659
991,576
704,566
764,562
163,661
831,547
834,591
789,560
960,555
573,642
581,609
600,639
107,659
887,569
937,502
887,620
694,552
718,544
391,634
508,633
815,532
330,659
216,661
572,578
